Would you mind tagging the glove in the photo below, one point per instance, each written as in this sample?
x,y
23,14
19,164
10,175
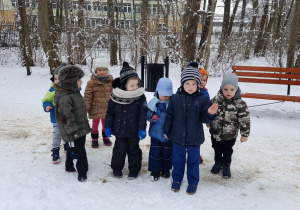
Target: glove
x,y
74,135
154,117
108,132
142,134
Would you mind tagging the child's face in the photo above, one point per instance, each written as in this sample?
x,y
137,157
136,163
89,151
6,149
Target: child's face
x,y
203,81
229,91
56,80
79,83
132,84
190,86
101,72
164,98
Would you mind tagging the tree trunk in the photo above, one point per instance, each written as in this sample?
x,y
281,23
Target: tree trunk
x,y
112,33
189,30
294,37
241,27
81,34
259,43
157,33
251,33
144,28
225,28
44,27
233,17
68,32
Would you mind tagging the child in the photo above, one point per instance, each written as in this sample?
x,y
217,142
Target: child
x,y
161,149
187,110
126,119
204,78
71,118
232,116
49,106
96,97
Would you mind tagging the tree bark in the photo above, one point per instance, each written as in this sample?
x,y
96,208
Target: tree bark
x,y
68,32
251,33
81,34
225,28
294,37
44,27
242,23
144,28
112,33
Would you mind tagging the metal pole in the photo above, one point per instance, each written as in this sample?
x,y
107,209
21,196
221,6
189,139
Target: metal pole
x,y
167,66
142,70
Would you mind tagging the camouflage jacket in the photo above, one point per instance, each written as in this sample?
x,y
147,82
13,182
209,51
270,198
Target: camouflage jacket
x,y
232,116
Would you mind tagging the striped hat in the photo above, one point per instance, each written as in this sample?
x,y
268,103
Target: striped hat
x,y
126,73
190,73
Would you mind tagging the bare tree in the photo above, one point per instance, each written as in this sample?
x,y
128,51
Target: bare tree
x,y
81,34
144,28
68,32
112,33
294,37
242,22
45,18
251,33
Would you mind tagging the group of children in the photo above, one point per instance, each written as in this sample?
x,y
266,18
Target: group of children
x,y
176,121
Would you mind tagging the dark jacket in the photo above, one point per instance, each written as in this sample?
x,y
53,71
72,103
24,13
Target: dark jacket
x,y
70,113
126,120
185,115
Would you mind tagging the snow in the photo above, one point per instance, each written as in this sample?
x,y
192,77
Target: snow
x,y
265,170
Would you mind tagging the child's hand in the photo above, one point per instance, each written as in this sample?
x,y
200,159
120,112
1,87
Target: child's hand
x,y
207,125
244,139
213,109
48,108
166,136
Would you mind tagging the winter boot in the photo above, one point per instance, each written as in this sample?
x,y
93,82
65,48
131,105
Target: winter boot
x,y
106,140
82,177
132,175
118,174
175,186
226,170
154,176
95,137
55,155
201,159
217,167
191,189
70,169
165,174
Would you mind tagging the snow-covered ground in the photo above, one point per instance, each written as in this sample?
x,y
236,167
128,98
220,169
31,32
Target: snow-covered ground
x,y
265,170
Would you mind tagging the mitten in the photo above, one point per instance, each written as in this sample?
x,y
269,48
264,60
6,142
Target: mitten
x,y
108,132
74,135
142,134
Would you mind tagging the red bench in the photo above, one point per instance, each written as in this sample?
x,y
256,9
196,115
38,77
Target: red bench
x,y
269,75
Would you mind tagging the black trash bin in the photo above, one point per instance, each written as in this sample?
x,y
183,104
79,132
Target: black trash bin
x,y
154,72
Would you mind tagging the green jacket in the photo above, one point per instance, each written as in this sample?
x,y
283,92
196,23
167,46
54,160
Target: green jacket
x,y
70,113
232,116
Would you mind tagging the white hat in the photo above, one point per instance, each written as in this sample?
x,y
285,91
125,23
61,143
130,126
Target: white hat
x,y
100,63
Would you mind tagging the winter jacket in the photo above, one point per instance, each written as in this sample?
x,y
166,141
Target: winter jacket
x,y
185,115
48,100
205,92
70,113
96,96
232,116
156,128
126,113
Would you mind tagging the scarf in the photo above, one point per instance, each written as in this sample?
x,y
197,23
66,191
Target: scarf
x,y
101,79
126,97
154,101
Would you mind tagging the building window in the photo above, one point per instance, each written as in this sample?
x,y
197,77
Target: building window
x,y
87,7
127,8
75,5
35,4
14,3
27,4
105,8
137,9
53,5
97,7
154,9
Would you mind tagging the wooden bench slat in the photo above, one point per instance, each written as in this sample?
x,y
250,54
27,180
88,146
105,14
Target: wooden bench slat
x,y
272,97
269,69
269,75
269,81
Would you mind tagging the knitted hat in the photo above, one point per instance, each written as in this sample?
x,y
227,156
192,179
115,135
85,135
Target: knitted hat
x,y
100,62
190,73
59,68
164,87
126,73
194,64
68,76
230,78
203,71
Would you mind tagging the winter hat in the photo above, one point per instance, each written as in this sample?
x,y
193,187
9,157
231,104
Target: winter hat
x,y
68,76
194,64
190,73
56,71
230,78
164,87
203,71
126,73
100,62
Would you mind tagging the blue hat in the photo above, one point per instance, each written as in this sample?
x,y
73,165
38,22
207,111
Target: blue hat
x,y
164,87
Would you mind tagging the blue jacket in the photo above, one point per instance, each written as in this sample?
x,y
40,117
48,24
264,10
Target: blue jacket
x,y
205,92
156,128
185,115
48,100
